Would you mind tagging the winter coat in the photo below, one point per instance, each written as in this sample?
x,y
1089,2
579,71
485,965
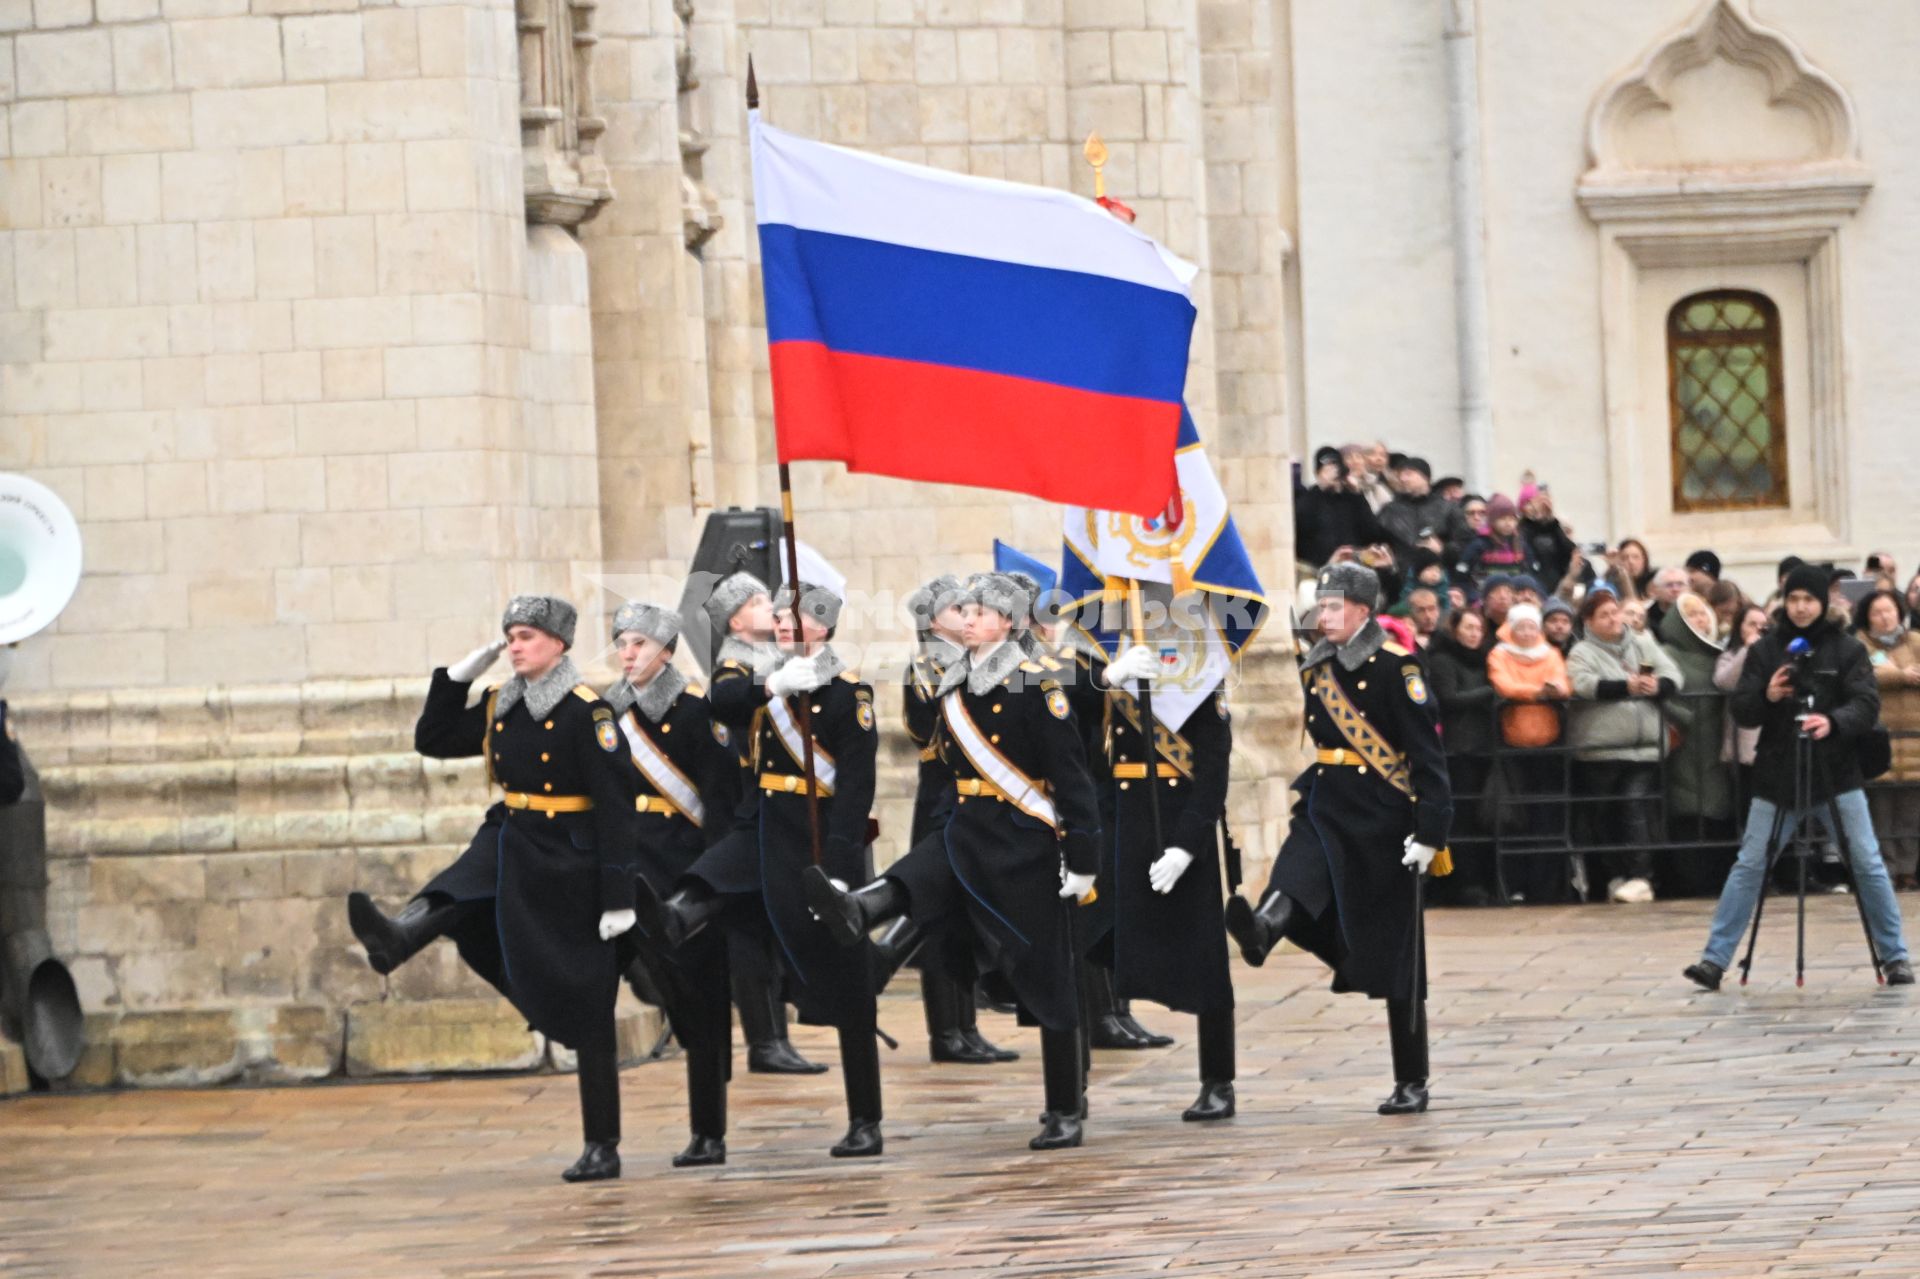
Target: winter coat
x,y
1518,678
1899,702
1460,684
1737,744
1604,723
1324,521
1697,782
1493,554
1840,677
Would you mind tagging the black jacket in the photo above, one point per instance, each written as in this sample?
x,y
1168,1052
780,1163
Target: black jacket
x,y
1840,678
1324,521
1466,697
1404,517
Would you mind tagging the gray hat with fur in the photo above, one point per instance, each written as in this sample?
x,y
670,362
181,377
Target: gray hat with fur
x,y
817,602
729,593
548,613
649,620
1356,583
925,604
1001,593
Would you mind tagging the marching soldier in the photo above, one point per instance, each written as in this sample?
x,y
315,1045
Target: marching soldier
x,y
751,880
1373,805
688,783
1020,841
953,1029
547,882
1162,939
741,610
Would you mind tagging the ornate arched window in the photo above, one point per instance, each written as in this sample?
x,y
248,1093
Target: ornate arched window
x,y
1729,439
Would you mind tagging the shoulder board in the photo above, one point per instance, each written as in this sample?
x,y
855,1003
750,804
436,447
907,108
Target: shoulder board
x,y
730,665
695,690
1395,649
585,693
1033,668
850,677
1052,664
1049,685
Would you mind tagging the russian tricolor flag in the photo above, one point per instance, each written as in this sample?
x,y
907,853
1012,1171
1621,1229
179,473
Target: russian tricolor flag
x,y
936,326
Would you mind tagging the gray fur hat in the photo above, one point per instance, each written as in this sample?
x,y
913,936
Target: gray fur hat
x,y
729,593
925,604
650,620
1356,583
817,602
1001,593
548,613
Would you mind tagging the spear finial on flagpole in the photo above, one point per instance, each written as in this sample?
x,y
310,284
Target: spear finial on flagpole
x,y
753,87
1096,152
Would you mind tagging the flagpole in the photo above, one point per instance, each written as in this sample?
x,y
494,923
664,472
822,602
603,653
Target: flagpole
x,y
793,592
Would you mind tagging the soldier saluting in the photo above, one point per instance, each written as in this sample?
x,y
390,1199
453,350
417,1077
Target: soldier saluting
x,y
1372,805
547,881
1018,843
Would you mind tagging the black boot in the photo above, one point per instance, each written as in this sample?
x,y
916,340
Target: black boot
x,y
1061,1125
945,1042
599,1079
849,915
860,1071
1258,931
1216,1100
1123,1009
1105,1029
1706,974
600,1161
391,942
1410,1064
702,1152
673,921
898,944
763,1020
970,1028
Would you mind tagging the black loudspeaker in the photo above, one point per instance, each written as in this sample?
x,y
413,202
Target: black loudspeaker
x,y
736,540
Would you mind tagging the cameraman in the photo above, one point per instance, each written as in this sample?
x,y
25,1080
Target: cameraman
x,y
1827,692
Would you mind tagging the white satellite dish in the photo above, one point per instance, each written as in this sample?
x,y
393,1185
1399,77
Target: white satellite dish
x,y
39,557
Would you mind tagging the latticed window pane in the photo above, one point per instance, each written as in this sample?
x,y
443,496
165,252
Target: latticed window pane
x,y
1729,425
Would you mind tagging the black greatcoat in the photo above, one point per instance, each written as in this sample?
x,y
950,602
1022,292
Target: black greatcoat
x,y
1079,672
550,876
1341,859
692,981
829,984
1172,948
999,867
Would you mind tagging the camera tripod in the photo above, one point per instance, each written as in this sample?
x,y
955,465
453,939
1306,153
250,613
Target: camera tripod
x,y
1803,848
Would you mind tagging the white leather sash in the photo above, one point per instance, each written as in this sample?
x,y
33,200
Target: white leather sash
x,y
789,730
672,784
1015,786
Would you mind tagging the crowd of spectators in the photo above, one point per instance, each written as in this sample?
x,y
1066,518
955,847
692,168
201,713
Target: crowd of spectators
x,y
1583,690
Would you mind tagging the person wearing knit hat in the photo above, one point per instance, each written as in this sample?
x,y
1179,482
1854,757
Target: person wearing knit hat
x,y
1020,842
1503,548
1557,623
547,882
688,787
814,750
952,1015
1374,805
1809,687
1703,572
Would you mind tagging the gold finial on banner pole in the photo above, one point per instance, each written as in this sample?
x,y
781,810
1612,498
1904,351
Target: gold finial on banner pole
x,y
1096,152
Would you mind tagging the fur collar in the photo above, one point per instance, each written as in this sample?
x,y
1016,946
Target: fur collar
x,y
655,700
943,653
980,676
540,695
1353,654
761,659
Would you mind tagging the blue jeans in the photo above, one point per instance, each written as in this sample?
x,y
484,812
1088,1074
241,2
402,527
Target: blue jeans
x,y
1744,882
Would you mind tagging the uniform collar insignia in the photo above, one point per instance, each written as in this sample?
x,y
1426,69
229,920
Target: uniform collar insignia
x,y
655,700
942,652
540,695
758,658
983,675
1353,654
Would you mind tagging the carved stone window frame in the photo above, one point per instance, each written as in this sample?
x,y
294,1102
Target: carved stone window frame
x,y
1737,216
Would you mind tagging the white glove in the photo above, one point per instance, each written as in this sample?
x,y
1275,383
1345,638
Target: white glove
x,y
1073,887
615,922
1136,664
798,676
1419,856
1166,872
475,664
